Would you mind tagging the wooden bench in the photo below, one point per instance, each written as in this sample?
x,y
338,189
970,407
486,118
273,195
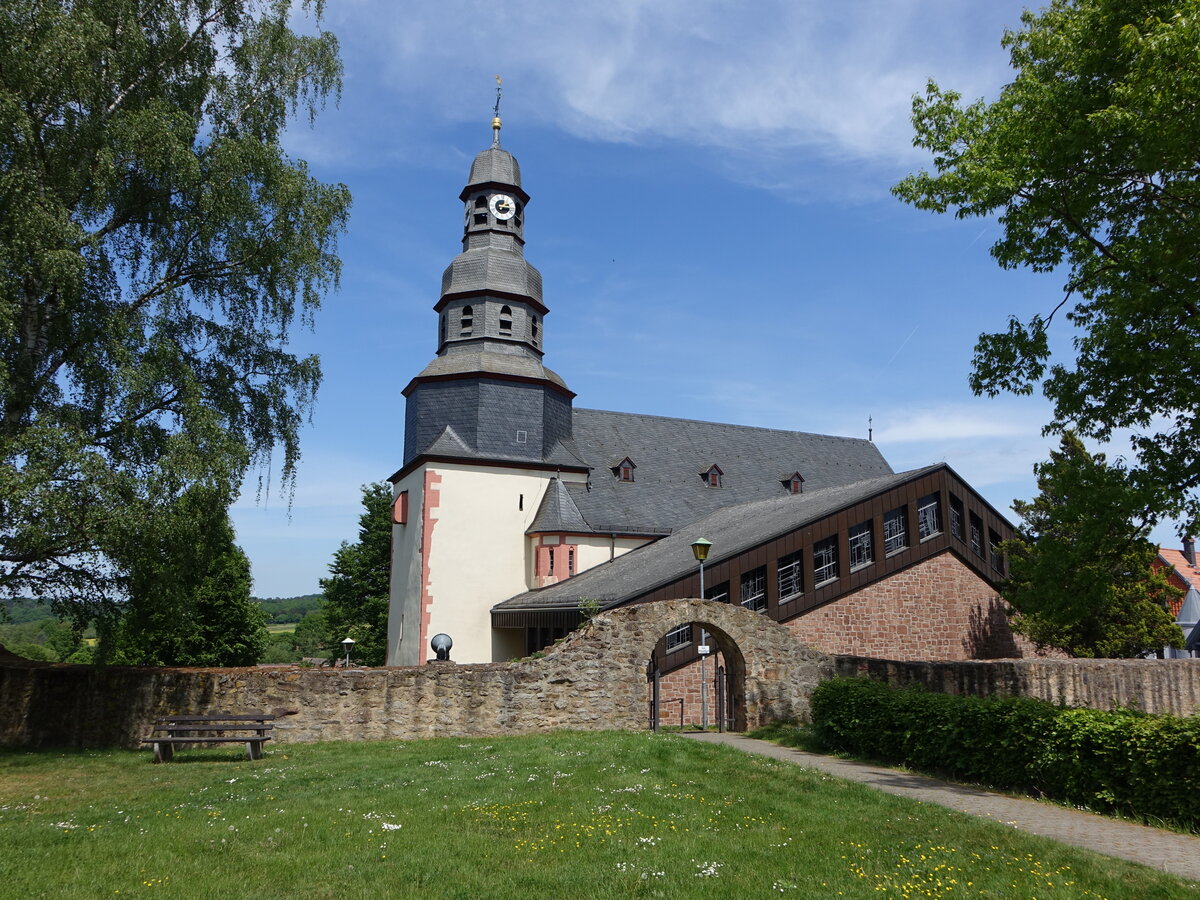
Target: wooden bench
x,y
171,731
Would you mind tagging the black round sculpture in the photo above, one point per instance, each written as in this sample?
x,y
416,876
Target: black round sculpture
x,y
441,645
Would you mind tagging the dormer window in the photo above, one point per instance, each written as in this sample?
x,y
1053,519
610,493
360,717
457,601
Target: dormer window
x,y
793,484
506,321
712,476
468,320
623,471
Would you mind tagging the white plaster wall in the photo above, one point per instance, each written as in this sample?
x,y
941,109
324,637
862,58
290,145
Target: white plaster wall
x,y
478,552
404,602
591,550
595,549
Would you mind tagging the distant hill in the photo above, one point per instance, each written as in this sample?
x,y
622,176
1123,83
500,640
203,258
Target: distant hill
x,y
279,610
284,610
22,610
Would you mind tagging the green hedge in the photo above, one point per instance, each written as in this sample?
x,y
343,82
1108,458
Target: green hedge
x,y
1128,762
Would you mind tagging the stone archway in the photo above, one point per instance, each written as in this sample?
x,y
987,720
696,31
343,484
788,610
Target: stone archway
x,y
709,690
778,673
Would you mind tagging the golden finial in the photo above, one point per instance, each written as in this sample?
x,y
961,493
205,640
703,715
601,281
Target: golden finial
x,y
496,113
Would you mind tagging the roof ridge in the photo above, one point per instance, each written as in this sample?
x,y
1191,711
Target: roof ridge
x,y
628,415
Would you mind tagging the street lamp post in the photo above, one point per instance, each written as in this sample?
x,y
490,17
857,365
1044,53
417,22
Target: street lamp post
x,y
700,548
346,645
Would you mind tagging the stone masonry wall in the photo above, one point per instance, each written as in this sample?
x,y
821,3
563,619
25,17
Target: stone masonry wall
x,y
1151,685
938,609
595,679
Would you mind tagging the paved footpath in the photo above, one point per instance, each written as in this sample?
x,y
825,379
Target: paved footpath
x,y
1167,851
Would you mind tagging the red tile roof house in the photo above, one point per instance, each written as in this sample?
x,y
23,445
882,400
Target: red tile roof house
x,y
1183,572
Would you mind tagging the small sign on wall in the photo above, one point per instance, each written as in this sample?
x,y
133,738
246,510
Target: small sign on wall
x,y
704,649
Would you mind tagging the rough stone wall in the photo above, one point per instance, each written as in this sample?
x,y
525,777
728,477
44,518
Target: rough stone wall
x,y
1151,685
596,679
937,609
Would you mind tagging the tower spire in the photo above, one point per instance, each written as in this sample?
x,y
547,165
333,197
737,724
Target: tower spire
x,y
496,112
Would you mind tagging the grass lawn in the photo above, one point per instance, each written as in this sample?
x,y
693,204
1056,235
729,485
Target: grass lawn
x,y
563,815
282,628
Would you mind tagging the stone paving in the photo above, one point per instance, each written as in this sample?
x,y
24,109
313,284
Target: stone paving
x,y
1164,850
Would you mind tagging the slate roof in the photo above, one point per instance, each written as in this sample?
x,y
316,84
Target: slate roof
x,y
467,359
448,445
494,165
488,268
1189,609
557,512
670,454
1188,619
732,530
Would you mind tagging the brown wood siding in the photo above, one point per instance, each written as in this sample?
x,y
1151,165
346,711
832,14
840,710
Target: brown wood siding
x,y
941,481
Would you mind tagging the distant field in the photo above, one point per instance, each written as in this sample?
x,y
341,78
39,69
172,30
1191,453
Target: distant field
x,y
286,628
558,816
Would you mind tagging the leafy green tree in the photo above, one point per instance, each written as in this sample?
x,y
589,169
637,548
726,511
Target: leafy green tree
x,y
311,637
284,610
1089,157
309,641
39,652
356,591
189,594
63,638
279,649
1080,575
157,250
84,656
60,640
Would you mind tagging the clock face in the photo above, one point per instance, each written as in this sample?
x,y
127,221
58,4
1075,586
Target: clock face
x,y
503,207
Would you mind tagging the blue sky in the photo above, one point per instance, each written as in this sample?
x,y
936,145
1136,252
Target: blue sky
x,y
711,216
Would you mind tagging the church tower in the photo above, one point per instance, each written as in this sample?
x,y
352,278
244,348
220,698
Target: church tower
x,y
486,394
487,429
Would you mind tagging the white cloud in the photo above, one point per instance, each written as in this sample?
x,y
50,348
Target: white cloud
x,y
751,79
961,422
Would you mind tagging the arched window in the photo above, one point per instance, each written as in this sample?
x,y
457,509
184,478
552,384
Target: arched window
x,y
481,202
442,329
505,321
468,320
533,330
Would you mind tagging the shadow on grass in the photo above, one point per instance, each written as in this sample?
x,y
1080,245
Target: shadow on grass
x,y
28,757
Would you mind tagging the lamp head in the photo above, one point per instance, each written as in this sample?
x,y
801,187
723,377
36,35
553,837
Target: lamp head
x,y
700,549
441,644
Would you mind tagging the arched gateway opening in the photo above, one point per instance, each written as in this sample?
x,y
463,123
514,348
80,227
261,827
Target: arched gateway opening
x,y
696,677
768,674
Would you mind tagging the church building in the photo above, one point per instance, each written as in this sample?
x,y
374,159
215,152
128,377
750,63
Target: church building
x,y
516,513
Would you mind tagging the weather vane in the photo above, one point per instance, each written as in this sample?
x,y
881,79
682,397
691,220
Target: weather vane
x,y
496,112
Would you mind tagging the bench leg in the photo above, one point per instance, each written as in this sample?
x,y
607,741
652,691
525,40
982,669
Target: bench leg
x,y
163,752
254,749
